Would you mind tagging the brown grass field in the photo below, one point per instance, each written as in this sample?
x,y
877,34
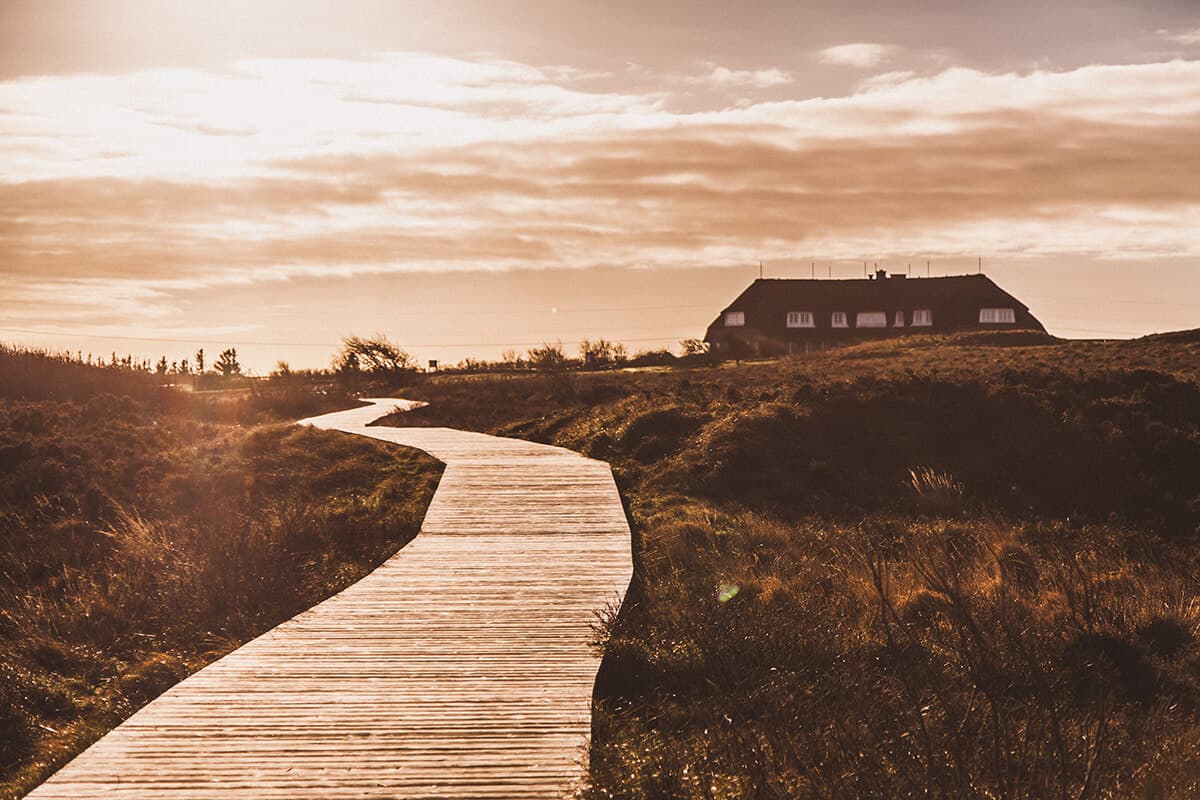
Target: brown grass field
x,y
962,567
936,567
139,542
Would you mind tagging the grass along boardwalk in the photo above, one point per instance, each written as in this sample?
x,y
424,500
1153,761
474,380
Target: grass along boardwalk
x,y
460,668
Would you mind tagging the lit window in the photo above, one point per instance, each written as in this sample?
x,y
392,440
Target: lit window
x,y
800,319
871,319
898,322
922,317
997,316
838,320
735,319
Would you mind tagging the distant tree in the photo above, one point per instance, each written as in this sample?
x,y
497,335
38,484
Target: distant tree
x,y
282,370
469,364
694,347
510,360
548,358
376,355
200,361
346,367
597,354
227,363
161,367
651,358
184,367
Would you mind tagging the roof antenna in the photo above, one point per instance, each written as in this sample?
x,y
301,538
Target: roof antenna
x,y
981,265
814,268
760,270
927,268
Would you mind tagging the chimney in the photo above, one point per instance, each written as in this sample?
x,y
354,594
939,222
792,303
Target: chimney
x,y
880,274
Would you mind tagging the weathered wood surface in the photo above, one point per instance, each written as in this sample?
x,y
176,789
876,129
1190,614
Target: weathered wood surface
x,y
460,668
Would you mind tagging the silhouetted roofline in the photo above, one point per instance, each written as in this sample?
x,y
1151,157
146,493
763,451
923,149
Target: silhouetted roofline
x,y
955,302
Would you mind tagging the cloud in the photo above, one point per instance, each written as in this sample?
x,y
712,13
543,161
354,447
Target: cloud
x,y
755,78
399,164
862,55
1186,38
886,79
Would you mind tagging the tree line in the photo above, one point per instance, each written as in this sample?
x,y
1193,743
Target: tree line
x,y
378,358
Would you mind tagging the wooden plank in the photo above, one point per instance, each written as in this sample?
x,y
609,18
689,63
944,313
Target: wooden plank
x,y
460,668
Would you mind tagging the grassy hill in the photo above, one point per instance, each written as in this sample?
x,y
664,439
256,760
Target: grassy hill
x,y
140,539
36,375
957,567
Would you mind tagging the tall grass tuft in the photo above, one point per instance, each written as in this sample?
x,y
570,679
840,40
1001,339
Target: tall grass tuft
x,y
936,492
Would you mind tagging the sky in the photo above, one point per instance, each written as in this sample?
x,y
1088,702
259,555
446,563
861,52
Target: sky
x,y
475,176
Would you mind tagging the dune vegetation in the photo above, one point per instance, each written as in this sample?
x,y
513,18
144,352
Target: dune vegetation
x,y
937,567
144,534
963,567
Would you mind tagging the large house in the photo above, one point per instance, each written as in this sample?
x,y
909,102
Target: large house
x,y
788,316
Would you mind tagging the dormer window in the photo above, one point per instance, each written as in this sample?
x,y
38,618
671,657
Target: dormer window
x,y
871,319
922,318
898,320
997,316
838,320
800,319
735,319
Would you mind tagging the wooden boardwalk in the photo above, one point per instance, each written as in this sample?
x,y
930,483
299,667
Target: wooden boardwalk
x,y
461,668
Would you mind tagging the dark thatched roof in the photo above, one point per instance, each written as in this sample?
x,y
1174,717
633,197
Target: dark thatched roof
x,y
955,303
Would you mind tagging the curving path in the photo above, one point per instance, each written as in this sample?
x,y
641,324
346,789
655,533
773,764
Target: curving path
x,y
460,668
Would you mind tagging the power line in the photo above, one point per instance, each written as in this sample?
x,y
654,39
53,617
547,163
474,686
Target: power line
x,y
327,345
158,340
1126,301
556,310
1096,330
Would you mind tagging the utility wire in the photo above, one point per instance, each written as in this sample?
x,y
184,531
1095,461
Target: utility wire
x,y
201,339
514,312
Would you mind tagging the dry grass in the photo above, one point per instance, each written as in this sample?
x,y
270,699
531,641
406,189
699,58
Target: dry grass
x,y
936,492
37,375
900,658
947,567
136,547
940,568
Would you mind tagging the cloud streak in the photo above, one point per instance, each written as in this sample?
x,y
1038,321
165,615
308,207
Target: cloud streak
x,y
755,78
862,55
1187,38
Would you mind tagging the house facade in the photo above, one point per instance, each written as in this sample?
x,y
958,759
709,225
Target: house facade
x,y
785,316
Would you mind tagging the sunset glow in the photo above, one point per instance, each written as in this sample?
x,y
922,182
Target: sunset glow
x,y
205,189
